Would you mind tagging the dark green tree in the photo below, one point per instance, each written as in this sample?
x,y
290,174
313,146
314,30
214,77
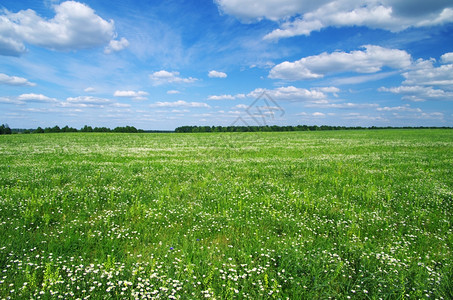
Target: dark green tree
x,y
87,128
38,130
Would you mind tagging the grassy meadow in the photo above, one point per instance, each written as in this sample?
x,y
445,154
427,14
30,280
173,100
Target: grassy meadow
x,y
286,215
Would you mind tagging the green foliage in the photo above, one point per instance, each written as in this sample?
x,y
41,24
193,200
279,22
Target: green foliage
x,y
86,128
38,130
56,129
4,129
127,129
364,214
275,128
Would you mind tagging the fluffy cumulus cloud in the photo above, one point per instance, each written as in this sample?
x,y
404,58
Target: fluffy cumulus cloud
x,y
139,95
241,106
162,77
115,45
424,72
301,17
329,89
180,103
14,80
332,15
370,60
74,26
217,74
447,57
249,10
427,80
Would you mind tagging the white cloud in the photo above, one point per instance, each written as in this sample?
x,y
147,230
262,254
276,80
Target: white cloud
x,y
115,46
301,17
263,65
420,116
290,93
425,73
372,60
9,45
161,77
446,16
425,81
8,100
345,105
89,90
235,112
74,26
180,103
313,98
139,95
447,57
249,10
359,116
120,105
338,13
14,80
172,92
419,93
363,78
329,89
433,115
129,93
226,97
299,27
221,97
405,108
86,101
35,98
315,115
241,106
217,74
41,110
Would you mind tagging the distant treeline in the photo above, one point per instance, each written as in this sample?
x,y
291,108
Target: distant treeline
x,y
4,129
187,129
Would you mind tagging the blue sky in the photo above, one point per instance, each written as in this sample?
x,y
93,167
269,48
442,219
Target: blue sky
x,y
164,64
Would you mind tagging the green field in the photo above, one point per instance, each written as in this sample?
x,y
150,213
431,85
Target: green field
x,y
342,214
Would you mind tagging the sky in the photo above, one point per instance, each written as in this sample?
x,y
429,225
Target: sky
x,y
157,65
